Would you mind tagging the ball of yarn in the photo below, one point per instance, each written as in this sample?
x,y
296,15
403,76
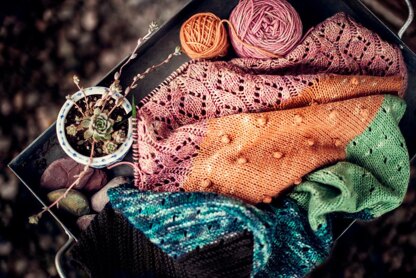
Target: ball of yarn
x,y
203,36
272,27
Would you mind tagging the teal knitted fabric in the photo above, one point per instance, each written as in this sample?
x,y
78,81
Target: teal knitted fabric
x,y
373,178
181,222
297,249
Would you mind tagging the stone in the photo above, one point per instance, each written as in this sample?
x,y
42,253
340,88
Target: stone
x,y
61,174
100,199
84,221
75,202
9,186
45,242
5,248
89,20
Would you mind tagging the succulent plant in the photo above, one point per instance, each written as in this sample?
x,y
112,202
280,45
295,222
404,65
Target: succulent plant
x,y
97,126
109,147
71,130
94,124
119,136
100,126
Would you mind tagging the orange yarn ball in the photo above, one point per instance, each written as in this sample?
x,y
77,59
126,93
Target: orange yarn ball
x,y
203,36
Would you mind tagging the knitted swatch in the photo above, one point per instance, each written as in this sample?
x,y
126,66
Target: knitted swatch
x,y
112,247
252,128
296,248
181,222
372,182
178,222
374,176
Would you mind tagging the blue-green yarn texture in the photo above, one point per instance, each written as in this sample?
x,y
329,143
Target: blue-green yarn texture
x,y
373,178
181,222
297,249
284,243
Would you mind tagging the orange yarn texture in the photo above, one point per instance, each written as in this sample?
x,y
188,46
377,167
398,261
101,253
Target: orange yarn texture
x,y
255,156
203,36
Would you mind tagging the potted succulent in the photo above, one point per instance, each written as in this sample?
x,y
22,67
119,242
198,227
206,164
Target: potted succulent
x,y
96,116
95,125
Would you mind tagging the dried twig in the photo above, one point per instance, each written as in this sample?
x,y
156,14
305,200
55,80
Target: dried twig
x,y
152,28
76,81
68,97
35,218
142,75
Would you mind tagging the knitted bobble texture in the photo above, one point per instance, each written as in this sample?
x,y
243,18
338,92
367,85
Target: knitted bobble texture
x,y
188,111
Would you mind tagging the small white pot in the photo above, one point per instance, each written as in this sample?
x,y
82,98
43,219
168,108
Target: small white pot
x,y
98,162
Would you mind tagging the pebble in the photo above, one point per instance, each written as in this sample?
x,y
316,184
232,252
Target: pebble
x,y
89,20
6,108
61,174
9,188
84,221
5,248
18,101
75,203
31,100
45,242
45,116
100,199
20,265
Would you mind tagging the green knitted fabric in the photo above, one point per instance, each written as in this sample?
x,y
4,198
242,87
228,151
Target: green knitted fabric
x,y
374,177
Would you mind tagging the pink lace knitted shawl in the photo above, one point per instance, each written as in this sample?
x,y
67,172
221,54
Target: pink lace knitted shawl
x,y
172,119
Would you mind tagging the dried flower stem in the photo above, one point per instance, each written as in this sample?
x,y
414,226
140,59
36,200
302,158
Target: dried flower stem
x,y
76,105
76,81
152,28
35,218
114,107
105,99
142,75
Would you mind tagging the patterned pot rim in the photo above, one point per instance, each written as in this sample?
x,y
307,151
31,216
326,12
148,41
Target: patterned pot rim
x,y
98,162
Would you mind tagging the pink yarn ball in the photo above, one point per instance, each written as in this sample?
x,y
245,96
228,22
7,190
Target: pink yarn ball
x,y
270,25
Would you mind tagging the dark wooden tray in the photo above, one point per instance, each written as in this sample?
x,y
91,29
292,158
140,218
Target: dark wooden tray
x,y
31,162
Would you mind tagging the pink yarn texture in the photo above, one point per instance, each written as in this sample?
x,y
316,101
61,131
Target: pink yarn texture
x,y
271,25
172,119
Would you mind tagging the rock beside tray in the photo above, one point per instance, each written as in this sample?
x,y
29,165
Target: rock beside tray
x,y
84,221
61,174
100,199
74,202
